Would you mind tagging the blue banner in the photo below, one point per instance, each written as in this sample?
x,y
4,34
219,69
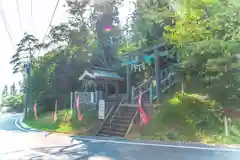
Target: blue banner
x,y
145,58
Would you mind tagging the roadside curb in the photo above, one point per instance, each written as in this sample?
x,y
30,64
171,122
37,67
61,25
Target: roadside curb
x,y
26,128
23,126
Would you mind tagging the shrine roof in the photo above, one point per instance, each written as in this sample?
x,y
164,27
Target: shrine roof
x,y
96,73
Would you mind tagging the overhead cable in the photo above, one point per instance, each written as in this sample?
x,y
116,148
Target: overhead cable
x,y
4,18
50,23
19,15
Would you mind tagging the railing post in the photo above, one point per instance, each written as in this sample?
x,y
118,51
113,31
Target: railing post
x,y
74,107
157,74
82,97
71,100
151,93
129,81
132,100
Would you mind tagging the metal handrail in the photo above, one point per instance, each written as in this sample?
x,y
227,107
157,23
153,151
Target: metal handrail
x,y
132,121
135,88
166,78
142,93
117,110
168,75
106,117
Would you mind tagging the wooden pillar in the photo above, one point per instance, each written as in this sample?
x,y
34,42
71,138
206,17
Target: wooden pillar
x,y
129,81
117,87
106,90
157,74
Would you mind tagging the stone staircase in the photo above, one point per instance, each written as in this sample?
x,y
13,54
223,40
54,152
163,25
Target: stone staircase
x,y
121,121
121,117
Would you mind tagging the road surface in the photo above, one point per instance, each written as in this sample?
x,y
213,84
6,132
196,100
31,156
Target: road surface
x,y
19,144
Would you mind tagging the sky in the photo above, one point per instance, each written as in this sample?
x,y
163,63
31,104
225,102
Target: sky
x,y
37,25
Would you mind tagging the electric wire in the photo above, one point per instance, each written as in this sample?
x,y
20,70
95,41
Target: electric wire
x,y
32,16
19,15
4,18
50,23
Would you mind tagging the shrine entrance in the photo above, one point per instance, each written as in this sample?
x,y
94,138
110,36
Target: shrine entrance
x,y
160,75
101,79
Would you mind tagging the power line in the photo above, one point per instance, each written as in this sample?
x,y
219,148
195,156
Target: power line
x,y
32,15
19,15
50,23
3,16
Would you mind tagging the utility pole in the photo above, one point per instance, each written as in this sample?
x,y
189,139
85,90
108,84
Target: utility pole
x,y
28,69
28,66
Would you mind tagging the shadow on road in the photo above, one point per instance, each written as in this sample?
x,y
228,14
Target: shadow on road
x,y
78,151
8,122
84,149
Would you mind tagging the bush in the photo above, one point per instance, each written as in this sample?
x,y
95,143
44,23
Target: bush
x,y
196,110
13,101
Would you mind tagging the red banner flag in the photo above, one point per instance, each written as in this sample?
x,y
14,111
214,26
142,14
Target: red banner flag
x,y
144,118
78,109
35,111
55,112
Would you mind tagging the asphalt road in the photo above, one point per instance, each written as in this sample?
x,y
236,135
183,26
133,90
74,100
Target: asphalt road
x,y
19,144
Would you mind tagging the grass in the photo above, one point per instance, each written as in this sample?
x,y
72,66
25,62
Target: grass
x,y
175,120
65,122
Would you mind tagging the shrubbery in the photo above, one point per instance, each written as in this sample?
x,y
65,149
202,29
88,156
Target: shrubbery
x,y
196,110
185,117
13,101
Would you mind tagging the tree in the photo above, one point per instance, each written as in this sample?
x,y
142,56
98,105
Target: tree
x,y
21,86
148,26
206,37
75,46
13,91
26,52
107,29
5,91
58,36
101,16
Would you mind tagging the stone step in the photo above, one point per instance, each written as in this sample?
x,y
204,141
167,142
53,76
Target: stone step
x,y
115,125
115,133
120,121
125,117
129,112
114,128
119,125
125,114
103,135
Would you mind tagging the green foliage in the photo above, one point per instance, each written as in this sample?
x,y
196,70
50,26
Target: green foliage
x,y
186,117
206,37
65,123
75,46
26,50
5,91
195,110
14,101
